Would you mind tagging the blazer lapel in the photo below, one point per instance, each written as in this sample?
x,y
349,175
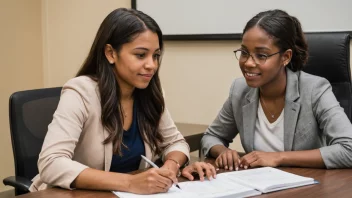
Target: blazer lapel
x,y
249,111
292,109
107,152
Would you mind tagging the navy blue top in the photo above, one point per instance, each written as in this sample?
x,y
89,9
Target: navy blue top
x,y
131,157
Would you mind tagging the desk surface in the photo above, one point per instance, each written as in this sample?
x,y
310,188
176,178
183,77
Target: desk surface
x,y
332,183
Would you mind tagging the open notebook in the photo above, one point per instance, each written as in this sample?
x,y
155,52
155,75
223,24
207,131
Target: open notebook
x,y
234,184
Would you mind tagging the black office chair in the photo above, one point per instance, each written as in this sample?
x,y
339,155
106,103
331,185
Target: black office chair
x,y
194,142
329,57
30,114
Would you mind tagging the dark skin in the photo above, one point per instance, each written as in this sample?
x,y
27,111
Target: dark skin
x,y
270,77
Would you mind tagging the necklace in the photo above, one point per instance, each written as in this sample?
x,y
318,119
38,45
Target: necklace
x,y
272,114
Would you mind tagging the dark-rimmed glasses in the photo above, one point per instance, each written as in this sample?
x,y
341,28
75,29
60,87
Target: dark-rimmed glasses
x,y
258,58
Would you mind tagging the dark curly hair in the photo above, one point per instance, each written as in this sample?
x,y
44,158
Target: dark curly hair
x,y
287,33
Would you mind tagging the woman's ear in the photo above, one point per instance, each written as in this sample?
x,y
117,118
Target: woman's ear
x,y
287,55
110,53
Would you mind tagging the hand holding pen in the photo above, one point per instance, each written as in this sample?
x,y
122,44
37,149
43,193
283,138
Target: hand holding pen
x,y
151,181
155,166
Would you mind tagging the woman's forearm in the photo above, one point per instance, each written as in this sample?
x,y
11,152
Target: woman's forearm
x,y
101,180
309,158
180,157
174,157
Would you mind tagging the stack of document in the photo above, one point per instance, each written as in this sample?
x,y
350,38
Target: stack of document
x,y
243,183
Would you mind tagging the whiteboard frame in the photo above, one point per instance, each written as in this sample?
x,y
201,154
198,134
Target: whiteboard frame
x,y
192,37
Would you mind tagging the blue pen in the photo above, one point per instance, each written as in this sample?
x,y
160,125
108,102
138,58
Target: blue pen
x,y
154,165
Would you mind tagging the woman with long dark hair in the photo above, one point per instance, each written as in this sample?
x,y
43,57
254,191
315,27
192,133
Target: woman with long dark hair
x,y
112,113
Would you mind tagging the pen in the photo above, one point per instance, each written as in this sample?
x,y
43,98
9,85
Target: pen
x,y
154,165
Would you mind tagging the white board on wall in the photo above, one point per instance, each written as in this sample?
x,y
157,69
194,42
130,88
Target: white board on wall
x,y
228,17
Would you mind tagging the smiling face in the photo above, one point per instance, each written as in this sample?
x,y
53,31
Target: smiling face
x,y
137,61
259,44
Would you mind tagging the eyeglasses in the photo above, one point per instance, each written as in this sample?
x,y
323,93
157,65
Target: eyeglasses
x,y
259,59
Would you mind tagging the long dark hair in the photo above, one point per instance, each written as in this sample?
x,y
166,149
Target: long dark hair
x,y
121,26
287,33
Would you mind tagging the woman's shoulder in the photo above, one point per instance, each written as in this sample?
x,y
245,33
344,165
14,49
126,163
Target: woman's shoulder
x,y
84,83
239,87
312,81
85,86
81,81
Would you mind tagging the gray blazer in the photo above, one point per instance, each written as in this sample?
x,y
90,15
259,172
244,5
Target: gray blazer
x,y
313,119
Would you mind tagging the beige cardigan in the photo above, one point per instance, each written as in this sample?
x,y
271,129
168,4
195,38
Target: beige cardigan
x,y
74,138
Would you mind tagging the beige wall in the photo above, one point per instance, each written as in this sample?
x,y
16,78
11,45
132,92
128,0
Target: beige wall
x,y
69,28
196,77
21,64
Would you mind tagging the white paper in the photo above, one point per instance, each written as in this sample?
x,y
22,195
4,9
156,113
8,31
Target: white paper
x,y
222,186
268,179
233,184
172,193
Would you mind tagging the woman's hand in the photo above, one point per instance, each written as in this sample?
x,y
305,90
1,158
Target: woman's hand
x,y
154,180
200,168
259,158
228,159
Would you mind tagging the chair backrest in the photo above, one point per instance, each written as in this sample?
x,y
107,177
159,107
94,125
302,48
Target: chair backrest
x,y
329,57
30,114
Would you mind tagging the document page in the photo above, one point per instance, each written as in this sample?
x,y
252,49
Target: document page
x,y
219,187
268,179
172,193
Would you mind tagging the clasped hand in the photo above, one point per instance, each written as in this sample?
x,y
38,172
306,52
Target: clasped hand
x,y
230,160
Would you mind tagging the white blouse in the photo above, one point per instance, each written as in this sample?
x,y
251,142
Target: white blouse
x,y
268,137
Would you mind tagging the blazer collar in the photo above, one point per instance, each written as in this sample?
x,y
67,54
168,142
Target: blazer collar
x,y
249,112
291,111
292,108
292,85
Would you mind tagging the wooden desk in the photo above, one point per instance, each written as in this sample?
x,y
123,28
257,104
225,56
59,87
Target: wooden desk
x,y
333,183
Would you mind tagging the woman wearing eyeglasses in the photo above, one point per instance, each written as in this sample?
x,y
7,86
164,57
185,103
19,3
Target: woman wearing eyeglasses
x,y
284,116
